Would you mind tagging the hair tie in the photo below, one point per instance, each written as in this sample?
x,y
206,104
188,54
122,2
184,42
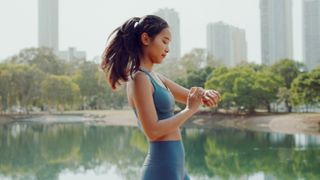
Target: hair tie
x,y
135,24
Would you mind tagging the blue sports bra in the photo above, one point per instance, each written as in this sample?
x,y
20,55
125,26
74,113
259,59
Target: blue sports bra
x,y
163,99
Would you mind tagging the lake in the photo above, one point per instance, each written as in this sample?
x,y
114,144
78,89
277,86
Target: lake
x,y
68,147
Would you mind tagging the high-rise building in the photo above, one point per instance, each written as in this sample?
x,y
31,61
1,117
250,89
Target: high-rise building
x,y
239,45
276,30
226,43
48,27
72,54
172,17
311,33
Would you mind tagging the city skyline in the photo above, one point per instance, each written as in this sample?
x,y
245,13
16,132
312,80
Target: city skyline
x,y
86,25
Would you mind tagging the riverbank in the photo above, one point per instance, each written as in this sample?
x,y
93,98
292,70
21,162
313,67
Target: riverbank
x,y
108,117
291,123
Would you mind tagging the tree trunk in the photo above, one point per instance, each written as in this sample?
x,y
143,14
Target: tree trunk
x,y
251,110
268,107
288,106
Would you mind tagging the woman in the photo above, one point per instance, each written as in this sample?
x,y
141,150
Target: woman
x,y
129,57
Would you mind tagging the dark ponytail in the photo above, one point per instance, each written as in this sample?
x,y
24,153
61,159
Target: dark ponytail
x,y
121,56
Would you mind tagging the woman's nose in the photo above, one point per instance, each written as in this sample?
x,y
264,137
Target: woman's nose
x,y
167,50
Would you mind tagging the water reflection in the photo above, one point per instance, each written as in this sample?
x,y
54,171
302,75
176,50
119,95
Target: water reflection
x,y
30,150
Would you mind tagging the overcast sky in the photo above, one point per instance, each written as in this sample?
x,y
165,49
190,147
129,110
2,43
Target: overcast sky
x,y
85,24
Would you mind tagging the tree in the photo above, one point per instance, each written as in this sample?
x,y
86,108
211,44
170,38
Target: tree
x,y
20,85
212,62
266,86
245,86
108,98
43,58
193,60
244,89
195,78
25,84
288,70
60,91
222,79
305,88
86,78
5,76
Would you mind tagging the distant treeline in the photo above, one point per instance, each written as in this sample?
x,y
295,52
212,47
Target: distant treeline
x,y
37,79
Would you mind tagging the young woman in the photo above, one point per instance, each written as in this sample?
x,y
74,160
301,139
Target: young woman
x,y
136,46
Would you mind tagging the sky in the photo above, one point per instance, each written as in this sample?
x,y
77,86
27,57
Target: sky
x,y
86,24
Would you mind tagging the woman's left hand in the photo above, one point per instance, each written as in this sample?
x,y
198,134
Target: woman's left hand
x,y
210,98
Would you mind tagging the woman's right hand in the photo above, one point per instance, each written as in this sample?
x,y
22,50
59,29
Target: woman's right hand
x,y
194,98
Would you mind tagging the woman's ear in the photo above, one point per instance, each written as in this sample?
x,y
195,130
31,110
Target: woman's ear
x,y
145,39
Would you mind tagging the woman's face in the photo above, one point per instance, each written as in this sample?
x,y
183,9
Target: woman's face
x,y
157,48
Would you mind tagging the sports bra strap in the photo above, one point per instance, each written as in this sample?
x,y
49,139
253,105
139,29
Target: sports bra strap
x,y
153,81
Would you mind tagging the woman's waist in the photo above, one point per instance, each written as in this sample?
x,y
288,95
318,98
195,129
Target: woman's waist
x,y
166,151
166,147
172,136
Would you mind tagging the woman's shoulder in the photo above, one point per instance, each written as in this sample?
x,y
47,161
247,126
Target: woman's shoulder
x,y
138,78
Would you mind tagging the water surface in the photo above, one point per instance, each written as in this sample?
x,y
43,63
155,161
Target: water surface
x,y
69,148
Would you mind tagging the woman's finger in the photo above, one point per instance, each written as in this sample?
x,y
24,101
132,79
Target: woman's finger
x,y
202,91
209,103
208,99
212,96
217,92
215,95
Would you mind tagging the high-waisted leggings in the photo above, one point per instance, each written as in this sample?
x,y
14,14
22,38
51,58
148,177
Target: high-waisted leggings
x,y
165,161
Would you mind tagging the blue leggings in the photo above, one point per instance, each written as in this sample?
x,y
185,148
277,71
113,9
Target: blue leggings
x,y
165,161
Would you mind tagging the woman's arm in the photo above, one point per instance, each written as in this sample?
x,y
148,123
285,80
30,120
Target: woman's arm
x,y
143,101
210,97
180,93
